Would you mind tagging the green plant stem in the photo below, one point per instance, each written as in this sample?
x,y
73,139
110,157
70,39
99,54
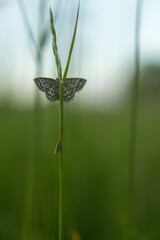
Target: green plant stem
x,y
133,130
61,81
61,162
60,196
33,154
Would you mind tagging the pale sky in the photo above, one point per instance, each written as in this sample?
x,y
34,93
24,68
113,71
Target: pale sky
x,y
104,49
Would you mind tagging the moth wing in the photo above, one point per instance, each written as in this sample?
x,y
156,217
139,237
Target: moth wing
x,y
71,86
49,86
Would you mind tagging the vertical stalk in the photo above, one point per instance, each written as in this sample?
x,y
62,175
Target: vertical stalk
x,y
59,146
33,140
133,127
61,162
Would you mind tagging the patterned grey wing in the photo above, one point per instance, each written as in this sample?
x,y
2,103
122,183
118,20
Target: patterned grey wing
x,y
71,86
49,86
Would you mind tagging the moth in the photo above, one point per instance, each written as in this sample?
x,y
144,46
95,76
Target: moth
x,y
51,87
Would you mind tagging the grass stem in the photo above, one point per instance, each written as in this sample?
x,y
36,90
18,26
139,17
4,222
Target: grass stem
x,y
60,151
133,127
59,146
61,162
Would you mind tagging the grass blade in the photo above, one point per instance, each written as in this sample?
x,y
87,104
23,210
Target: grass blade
x,y
72,44
28,27
133,128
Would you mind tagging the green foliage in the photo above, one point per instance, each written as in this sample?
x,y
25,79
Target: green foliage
x,y
94,176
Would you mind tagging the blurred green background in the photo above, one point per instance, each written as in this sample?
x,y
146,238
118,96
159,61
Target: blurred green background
x,y
95,168
96,136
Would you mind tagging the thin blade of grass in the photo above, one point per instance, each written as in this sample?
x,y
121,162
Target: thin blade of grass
x,y
133,128
72,44
28,27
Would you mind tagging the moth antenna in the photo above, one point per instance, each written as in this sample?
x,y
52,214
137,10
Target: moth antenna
x,y
55,75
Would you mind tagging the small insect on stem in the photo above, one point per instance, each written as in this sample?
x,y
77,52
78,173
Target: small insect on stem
x,y
51,87
58,147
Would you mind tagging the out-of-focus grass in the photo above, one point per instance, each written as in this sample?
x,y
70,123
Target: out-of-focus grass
x,y
96,150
